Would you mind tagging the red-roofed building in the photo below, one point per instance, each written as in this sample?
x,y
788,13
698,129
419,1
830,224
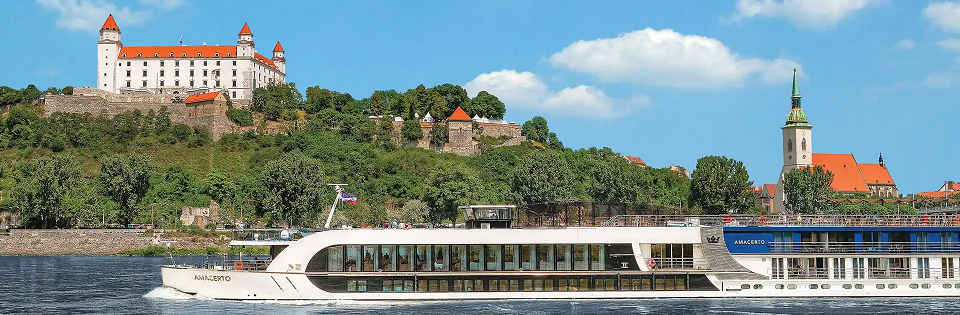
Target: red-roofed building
x,y
635,160
849,177
185,69
948,189
206,104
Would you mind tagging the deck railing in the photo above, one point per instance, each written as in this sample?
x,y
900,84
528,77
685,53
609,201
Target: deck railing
x,y
862,247
787,220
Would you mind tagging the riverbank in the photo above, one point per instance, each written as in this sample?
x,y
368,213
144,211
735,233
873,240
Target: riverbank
x,y
108,242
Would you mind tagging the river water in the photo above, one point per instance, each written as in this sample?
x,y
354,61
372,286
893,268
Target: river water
x,y
131,285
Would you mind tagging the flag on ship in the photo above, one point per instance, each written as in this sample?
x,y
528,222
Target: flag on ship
x,y
348,198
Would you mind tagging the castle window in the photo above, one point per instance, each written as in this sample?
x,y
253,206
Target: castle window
x,y
204,72
144,63
217,83
176,63
161,63
171,54
191,73
144,83
128,83
139,55
234,83
184,54
176,73
234,62
803,144
191,83
234,72
128,73
104,74
234,94
156,54
161,82
161,73
198,54
124,55
204,82
217,54
789,145
144,72
176,83
229,54
204,63
191,63
218,62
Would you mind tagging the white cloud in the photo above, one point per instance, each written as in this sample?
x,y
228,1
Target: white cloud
x,y
945,15
525,90
905,44
668,58
950,43
89,15
938,80
817,14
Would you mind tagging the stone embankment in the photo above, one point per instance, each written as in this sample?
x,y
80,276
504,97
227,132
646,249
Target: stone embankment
x,y
97,242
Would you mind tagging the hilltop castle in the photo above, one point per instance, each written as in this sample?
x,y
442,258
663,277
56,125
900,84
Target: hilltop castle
x,y
235,70
849,177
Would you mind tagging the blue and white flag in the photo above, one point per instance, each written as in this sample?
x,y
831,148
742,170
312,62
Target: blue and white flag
x,y
348,198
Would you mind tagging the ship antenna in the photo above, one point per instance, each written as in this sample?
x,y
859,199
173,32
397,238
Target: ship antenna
x,y
335,202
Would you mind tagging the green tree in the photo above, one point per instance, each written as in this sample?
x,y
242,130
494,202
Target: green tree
x,y
411,131
20,115
181,132
125,179
721,185
53,90
438,134
542,176
41,188
67,90
536,129
272,100
29,94
378,105
241,117
219,186
807,188
454,96
318,99
385,133
487,105
294,186
9,96
451,186
614,180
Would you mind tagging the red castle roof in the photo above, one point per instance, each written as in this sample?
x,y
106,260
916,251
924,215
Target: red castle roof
x,y
197,98
278,47
459,115
178,51
245,29
110,24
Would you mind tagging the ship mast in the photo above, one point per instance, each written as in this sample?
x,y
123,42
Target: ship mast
x,y
335,202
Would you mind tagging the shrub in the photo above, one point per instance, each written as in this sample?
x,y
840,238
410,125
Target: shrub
x,y
241,117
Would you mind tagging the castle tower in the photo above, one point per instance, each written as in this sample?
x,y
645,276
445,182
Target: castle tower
x,y
108,50
278,58
460,132
797,143
245,44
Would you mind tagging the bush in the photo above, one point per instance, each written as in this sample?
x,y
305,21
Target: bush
x,y
201,137
181,132
241,117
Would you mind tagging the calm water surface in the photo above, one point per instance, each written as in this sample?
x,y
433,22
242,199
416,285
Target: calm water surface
x,y
131,285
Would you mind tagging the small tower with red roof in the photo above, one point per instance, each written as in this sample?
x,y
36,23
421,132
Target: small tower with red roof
x,y
278,58
108,48
245,45
460,132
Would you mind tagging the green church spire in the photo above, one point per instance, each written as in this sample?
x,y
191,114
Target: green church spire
x,y
796,86
796,117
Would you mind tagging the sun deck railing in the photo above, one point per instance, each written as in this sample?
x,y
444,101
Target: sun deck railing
x,y
787,220
862,247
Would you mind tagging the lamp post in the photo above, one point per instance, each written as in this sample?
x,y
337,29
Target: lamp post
x,y
680,201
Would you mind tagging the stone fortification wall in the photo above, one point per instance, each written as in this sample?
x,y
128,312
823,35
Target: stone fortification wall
x,y
498,130
95,242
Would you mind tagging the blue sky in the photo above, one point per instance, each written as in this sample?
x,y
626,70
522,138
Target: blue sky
x,y
668,81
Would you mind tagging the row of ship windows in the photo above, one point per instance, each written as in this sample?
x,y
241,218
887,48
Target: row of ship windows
x,y
681,282
859,286
370,258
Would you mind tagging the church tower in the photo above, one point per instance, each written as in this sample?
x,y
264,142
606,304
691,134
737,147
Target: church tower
x,y
797,143
108,50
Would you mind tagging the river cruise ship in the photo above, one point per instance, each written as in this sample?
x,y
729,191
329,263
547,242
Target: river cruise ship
x,y
622,256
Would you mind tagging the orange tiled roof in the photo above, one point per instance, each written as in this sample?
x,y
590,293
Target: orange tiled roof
x,y
264,60
937,194
110,24
635,160
876,174
196,98
846,172
278,47
178,51
771,189
459,115
245,29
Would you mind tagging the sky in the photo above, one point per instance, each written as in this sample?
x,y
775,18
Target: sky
x,y
666,81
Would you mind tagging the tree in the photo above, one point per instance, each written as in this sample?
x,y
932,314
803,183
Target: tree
x,y
53,90
67,90
241,117
411,130
29,94
553,142
614,180
9,95
125,179
385,133
438,134
542,176
413,211
377,104
536,129
272,100
487,105
721,185
807,188
219,186
454,96
41,188
318,99
294,186
451,186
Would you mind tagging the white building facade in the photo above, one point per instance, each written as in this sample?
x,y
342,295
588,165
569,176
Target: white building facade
x,y
234,70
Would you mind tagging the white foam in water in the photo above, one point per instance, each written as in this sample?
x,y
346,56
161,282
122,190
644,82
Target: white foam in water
x,y
168,293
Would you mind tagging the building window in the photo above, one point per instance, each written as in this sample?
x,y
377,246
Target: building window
x,y
234,62
218,62
204,82
234,83
789,145
161,82
204,72
161,63
128,73
176,63
161,73
803,144
191,63
144,72
138,55
171,54
234,72
191,83
234,94
217,83
156,54
176,73
124,55
198,55
128,83
191,73
204,63
128,63
229,54
184,54
217,54
144,63
176,83
144,83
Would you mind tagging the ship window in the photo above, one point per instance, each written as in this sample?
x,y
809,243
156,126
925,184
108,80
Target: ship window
x,y
914,286
580,257
744,286
403,256
792,286
858,286
892,286
757,286
493,257
370,261
353,257
597,257
423,258
545,257
441,258
476,257
335,258
825,286
880,286
457,254
947,285
511,254
563,257
528,257
778,286
388,258
847,286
